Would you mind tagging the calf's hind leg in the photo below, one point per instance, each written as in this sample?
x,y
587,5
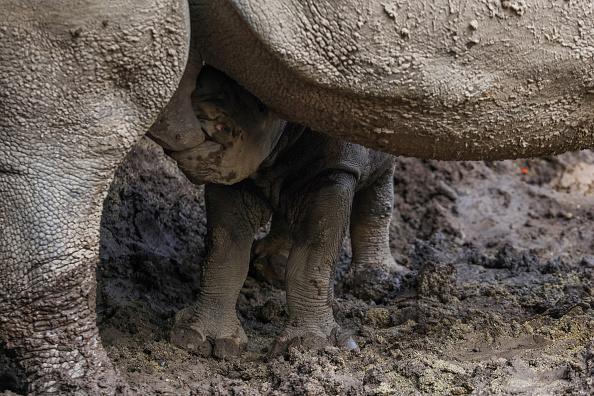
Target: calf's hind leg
x,y
211,326
319,218
373,271
270,253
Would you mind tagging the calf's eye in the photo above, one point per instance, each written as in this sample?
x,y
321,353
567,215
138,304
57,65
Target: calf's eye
x,y
223,128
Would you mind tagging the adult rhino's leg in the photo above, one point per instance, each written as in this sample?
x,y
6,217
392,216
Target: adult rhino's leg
x,y
373,271
211,326
50,234
270,253
80,82
318,225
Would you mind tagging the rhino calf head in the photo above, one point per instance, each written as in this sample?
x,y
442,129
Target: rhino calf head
x,y
239,130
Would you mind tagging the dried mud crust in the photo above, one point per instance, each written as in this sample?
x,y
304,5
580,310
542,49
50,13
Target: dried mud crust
x,y
499,299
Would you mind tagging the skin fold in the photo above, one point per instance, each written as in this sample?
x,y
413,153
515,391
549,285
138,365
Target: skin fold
x,y
259,165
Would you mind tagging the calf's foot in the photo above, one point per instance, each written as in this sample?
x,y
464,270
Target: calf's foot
x,y
375,280
313,336
374,274
321,218
210,326
208,334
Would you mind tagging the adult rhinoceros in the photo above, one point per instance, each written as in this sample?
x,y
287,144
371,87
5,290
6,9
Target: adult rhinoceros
x,y
81,81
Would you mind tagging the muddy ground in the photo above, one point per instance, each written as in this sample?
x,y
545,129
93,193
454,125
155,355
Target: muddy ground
x,y
500,299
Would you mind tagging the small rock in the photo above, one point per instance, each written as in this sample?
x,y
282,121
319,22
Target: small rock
x,y
566,215
473,24
390,11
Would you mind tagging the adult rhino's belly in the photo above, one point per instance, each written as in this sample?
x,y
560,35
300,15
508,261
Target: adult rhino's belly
x,y
485,82
448,79
474,112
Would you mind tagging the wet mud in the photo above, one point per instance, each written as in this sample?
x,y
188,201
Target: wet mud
x,y
499,299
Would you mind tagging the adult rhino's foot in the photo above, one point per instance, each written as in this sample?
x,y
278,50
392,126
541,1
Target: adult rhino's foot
x,y
208,334
314,336
374,280
88,372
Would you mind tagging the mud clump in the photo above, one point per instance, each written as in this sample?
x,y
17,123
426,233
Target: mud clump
x,y
437,281
378,317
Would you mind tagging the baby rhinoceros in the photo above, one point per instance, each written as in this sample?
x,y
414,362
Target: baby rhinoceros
x,y
255,166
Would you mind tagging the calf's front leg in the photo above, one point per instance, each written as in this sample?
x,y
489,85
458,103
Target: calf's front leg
x,y
210,326
318,222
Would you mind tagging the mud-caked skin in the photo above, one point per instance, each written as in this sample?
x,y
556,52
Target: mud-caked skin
x,y
439,79
79,85
228,117
312,183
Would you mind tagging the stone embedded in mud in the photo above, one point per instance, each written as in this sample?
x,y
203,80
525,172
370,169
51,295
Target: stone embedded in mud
x,y
513,259
517,6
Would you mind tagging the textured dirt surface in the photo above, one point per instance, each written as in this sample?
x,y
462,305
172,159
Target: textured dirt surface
x,y
500,299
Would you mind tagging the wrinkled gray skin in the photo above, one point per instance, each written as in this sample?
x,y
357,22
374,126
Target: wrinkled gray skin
x,y
435,79
312,183
80,82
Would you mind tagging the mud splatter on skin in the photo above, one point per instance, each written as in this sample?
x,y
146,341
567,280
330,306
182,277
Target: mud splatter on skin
x,y
504,303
